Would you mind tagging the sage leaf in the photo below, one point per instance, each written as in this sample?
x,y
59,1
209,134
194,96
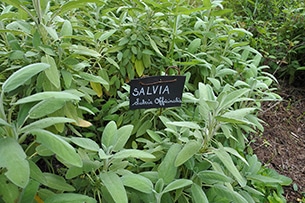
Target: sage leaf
x,y
44,123
198,195
226,159
69,198
48,95
21,76
138,182
59,146
190,148
14,160
114,186
177,184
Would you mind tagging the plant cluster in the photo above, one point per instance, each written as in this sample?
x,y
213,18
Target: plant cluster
x,y
278,29
66,133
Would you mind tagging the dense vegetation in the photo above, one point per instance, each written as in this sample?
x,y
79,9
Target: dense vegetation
x,y
278,33
66,131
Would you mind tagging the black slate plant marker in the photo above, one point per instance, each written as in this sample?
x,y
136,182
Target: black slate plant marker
x,y
156,92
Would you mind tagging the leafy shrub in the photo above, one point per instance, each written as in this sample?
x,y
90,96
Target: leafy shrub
x,y
278,33
66,130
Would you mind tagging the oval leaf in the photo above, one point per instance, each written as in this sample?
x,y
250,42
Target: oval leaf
x,y
227,161
177,184
59,146
138,182
198,195
46,107
189,149
21,76
167,169
85,143
123,134
57,182
52,73
115,187
108,134
69,198
44,123
48,95
126,153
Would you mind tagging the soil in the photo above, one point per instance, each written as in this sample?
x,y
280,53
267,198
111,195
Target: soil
x,y
282,144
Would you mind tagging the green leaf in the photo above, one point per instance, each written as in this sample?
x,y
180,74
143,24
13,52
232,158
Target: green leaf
x,y
22,75
75,4
86,143
44,123
194,45
82,50
235,153
111,61
139,67
51,31
59,146
185,124
122,136
46,107
227,161
138,182
106,35
66,29
177,184
93,78
140,154
29,192
36,173
154,46
109,133
48,95
167,169
229,194
264,179
9,192
236,116
212,177
114,186
14,160
57,182
3,122
69,198
52,73
143,128
227,99
198,195
190,148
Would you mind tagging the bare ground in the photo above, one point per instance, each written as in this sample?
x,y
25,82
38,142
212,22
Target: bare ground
x,y
282,145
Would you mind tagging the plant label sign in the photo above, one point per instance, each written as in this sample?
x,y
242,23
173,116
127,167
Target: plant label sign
x,y
156,92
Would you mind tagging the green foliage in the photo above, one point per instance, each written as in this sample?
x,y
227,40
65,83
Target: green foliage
x,y
65,68
278,29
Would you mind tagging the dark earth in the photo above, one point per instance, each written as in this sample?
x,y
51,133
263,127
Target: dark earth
x,y
282,144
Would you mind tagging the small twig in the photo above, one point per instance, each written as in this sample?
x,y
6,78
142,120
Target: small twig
x,y
271,107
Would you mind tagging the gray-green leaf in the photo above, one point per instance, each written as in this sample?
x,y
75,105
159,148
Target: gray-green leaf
x,y
138,182
115,187
21,76
14,160
59,146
